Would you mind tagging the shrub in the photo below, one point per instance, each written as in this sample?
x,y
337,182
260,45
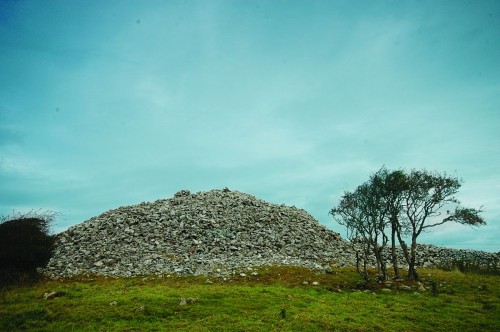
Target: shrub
x,y
25,245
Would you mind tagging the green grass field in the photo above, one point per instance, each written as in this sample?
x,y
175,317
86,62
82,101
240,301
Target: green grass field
x,y
274,300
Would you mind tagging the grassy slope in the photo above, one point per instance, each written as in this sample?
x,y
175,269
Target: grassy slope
x,y
466,302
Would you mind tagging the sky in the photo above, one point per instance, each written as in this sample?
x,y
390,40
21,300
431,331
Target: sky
x,y
112,103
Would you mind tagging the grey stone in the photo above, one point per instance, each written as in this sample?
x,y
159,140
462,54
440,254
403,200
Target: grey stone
x,y
52,295
328,269
188,300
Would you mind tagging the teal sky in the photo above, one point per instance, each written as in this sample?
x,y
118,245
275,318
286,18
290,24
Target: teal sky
x,y
111,103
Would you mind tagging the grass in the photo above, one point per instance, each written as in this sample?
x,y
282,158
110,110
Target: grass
x,y
274,300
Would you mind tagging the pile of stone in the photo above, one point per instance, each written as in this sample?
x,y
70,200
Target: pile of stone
x,y
218,230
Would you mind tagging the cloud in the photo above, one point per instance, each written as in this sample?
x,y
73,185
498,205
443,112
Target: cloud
x,y
293,103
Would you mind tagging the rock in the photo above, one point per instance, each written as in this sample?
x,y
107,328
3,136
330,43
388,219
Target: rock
x,y
243,275
305,283
186,301
315,283
385,290
52,295
140,308
405,288
112,303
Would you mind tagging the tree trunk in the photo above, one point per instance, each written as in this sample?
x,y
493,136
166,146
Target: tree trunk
x,y
412,271
394,254
381,265
363,273
406,254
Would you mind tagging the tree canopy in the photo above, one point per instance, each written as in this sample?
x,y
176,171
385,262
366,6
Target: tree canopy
x,y
397,205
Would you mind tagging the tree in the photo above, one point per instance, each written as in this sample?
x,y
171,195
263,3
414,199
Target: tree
x,y
363,214
404,204
25,245
392,185
348,214
424,195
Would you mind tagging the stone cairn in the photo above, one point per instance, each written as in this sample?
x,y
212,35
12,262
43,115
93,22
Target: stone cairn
x,y
219,231
195,234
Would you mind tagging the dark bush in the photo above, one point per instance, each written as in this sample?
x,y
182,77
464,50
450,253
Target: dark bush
x,y
25,245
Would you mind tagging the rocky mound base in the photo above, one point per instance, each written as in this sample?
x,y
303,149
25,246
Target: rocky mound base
x,y
218,230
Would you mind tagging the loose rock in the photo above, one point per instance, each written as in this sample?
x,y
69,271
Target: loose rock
x,y
186,301
52,295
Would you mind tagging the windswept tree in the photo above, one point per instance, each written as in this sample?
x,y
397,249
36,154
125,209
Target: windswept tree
x,y
392,185
425,195
363,215
402,205
349,214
